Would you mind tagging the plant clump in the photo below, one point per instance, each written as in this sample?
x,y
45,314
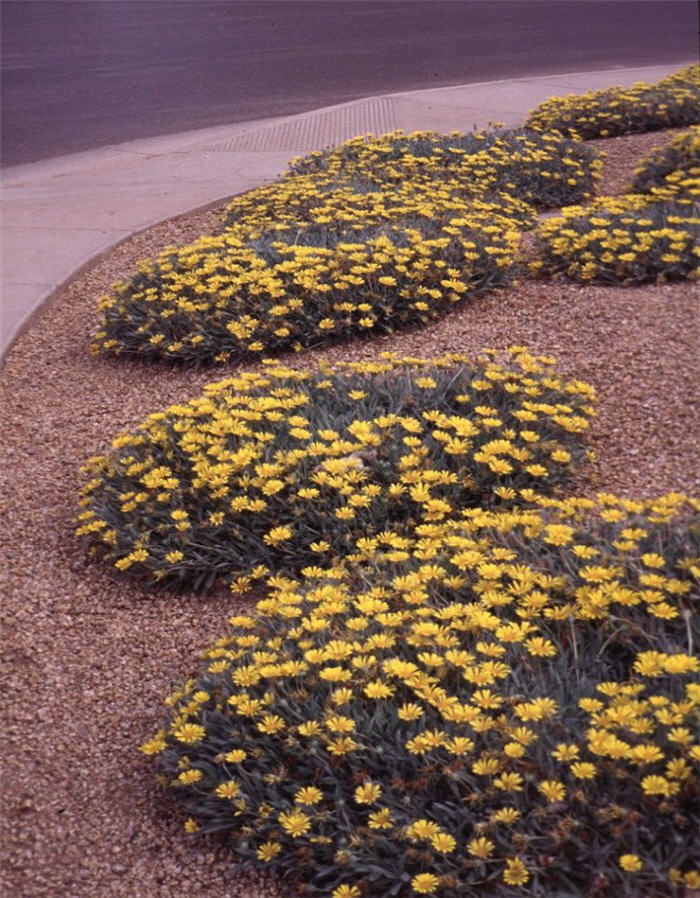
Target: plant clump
x,y
624,240
496,701
671,170
353,200
671,103
544,170
284,469
238,296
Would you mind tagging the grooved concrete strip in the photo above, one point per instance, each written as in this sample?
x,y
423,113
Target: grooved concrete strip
x,y
61,213
303,133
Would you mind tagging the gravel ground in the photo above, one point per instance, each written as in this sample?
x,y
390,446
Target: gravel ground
x,y
87,658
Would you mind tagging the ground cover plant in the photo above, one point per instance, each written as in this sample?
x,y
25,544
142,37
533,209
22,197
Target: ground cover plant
x,y
233,296
672,102
499,703
284,469
355,199
545,170
378,234
671,170
623,240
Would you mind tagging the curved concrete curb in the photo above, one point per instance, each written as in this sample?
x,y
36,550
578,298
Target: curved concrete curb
x,y
61,214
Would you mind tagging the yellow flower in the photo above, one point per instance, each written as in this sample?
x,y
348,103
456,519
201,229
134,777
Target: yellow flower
x,y
651,559
310,728
425,883
558,534
270,724
174,556
409,711
509,782
659,785
277,535
423,829
505,815
481,847
189,733
380,819
268,850
346,891
229,789
155,745
515,873
235,756
308,795
191,825
295,823
692,879
444,843
552,790
564,752
540,647
367,793
378,689
630,863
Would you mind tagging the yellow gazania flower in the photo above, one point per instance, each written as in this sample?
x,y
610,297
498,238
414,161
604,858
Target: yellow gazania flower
x,y
516,873
659,785
444,843
423,829
630,863
367,793
308,795
481,847
564,752
505,815
189,733
552,790
380,819
268,851
425,883
295,823
229,789
346,891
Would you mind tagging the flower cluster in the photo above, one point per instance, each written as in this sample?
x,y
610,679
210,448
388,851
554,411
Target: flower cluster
x,y
672,170
232,296
545,170
282,469
353,200
625,240
671,103
497,699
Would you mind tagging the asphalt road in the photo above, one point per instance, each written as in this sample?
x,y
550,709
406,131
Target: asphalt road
x,y
79,74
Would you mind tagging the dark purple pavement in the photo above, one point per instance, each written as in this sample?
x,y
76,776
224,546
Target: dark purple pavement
x,y
78,75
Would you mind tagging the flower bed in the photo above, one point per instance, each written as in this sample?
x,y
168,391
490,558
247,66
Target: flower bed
x,y
672,102
227,298
501,700
673,170
350,201
544,170
628,240
285,469
375,235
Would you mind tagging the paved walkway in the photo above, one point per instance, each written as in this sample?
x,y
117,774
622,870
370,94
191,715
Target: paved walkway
x,y
60,214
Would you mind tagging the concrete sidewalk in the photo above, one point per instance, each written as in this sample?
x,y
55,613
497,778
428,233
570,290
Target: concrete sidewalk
x,y
59,214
